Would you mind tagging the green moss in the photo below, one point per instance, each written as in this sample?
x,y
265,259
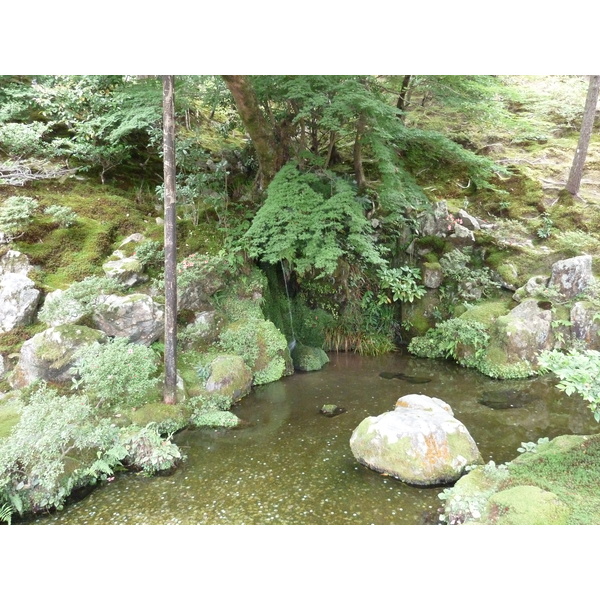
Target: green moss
x,y
167,417
306,358
487,312
216,418
9,417
11,341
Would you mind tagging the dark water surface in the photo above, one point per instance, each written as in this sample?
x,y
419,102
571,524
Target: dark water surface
x,y
292,465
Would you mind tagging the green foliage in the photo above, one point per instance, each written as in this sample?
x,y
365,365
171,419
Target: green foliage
x,y
459,339
310,230
403,283
33,459
578,372
6,513
545,230
63,215
575,243
150,254
463,281
24,139
79,299
532,446
15,215
117,373
148,451
215,418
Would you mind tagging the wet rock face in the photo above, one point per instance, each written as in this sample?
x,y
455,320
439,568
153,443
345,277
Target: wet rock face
x,y
584,324
18,301
230,376
420,442
572,276
136,317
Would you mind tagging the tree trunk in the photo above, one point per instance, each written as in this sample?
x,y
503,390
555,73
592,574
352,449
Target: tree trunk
x,y
401,104
359,172
587,125
259,129
170,233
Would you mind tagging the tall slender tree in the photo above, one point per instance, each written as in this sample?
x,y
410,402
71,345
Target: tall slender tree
x,y
587,125
170,234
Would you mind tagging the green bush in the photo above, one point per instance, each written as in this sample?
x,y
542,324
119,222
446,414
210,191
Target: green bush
x,y
63,215
35,457
117,373
15,215
148,451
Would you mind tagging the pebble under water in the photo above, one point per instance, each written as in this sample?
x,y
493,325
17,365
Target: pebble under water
x,y
292,465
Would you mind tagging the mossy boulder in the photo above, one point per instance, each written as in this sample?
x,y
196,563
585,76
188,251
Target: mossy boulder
x,y
128,271
50,355
420,442
229,376
216,419
167,418
262,346
307,358
585,325
18,301
572,276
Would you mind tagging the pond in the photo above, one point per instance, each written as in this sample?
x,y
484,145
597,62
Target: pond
x,y
290,464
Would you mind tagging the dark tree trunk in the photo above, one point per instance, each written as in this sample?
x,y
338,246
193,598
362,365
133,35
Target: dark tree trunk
x,y
359,172
259,129
587,124
401,104
170,388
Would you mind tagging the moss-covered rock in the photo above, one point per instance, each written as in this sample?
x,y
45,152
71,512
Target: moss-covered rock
x,y
262,346
216,418
229,376
307,358
50,355
420,443
168,418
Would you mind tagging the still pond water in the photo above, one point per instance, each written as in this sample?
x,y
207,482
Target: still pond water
x,y
292,465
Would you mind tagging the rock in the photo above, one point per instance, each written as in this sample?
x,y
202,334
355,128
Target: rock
x,y
307,358
535,286
466,220
2,367
572,276
438,222
18,301
420,442
463,235
332,410
14,262
432,275
525,332
229,376
203,331
136,317
585,325
70,309
132,240
50,355
128,271
507,276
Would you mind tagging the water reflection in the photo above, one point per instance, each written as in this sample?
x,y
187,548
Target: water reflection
x,y
292,465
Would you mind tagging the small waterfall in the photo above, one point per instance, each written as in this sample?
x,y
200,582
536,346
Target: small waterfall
x,y
292,343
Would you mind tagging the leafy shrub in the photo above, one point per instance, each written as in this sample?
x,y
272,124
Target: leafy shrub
x,y
117,372
579,373
15,215
461,340
24,139
148,451
150,254
63,215
575,243
32,459
79,298
403,283
463,280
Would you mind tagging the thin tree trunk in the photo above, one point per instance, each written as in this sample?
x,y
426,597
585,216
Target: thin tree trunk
x,y
170,233
359,172
401,104
587,124
259,129
330,150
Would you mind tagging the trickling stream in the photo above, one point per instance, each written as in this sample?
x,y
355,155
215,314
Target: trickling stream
x,y
292,465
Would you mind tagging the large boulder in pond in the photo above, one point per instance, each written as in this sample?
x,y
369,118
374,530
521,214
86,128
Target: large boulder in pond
x,y
420,442
262,346
307,358
229,376
18,301
50,355
572,276
136,317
